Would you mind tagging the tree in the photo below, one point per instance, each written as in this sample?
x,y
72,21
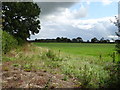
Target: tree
x,y
74,40
102,40
88,41
93,40
79,39
58,39
107,40
20,19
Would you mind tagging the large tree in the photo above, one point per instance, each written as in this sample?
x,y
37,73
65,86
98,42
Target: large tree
x,y
21,18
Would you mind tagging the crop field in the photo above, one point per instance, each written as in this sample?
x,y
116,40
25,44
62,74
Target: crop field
x,y
82,49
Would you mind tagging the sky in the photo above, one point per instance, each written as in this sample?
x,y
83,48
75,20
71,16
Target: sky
x,y
77,19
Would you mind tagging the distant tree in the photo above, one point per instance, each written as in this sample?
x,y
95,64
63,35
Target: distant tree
x,y
93,40
58,39
102,40
88,41
79,39
74,40
68,40
36,40
107,40
20,19
64,39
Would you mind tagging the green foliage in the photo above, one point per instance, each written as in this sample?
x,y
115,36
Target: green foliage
x,y
15,65
117,24
114,80
90,75
118,47
65,78
8,42
6,59
50,54
19,20
27,67
20,41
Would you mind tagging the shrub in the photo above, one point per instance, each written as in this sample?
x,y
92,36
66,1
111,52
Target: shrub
x,y
8,42
90,75
114,81
51,55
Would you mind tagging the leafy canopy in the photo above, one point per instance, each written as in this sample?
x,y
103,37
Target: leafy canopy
x,y
21,18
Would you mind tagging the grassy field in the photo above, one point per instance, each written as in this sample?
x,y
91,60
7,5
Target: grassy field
x,y
90,63
82,49
77,61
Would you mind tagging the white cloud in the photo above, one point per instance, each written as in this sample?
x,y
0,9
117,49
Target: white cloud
x,y
84,27
81,12
61,21
113,36
87,29
106,2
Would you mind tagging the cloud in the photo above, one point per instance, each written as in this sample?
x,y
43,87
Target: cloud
x,y
105,2
53,7
81,12
61,20
49,10
113,36
86,29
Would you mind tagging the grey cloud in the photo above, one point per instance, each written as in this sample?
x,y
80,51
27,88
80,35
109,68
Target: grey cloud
x,y
52,7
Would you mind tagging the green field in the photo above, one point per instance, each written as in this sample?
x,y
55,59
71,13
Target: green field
x,y
90,63
82,49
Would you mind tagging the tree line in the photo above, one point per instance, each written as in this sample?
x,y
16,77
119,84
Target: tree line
x,y
74,40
